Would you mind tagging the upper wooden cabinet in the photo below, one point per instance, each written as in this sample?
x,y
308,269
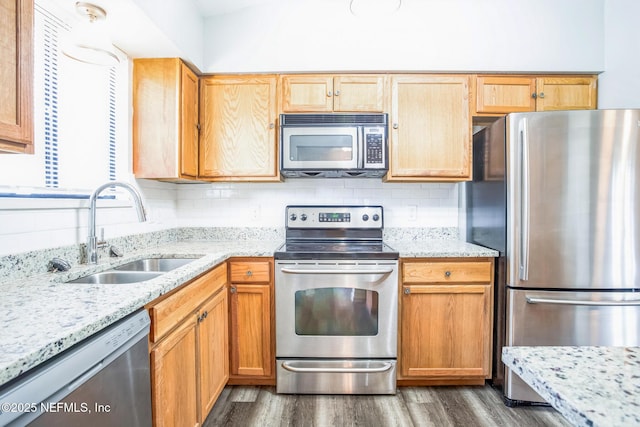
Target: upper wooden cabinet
x,y
329,93
430,128
165,119
238,139
509,94
16,75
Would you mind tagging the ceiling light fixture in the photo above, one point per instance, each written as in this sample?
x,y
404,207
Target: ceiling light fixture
x,y
88,41
374,8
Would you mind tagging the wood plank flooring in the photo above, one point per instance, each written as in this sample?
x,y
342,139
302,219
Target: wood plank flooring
x,y
412,406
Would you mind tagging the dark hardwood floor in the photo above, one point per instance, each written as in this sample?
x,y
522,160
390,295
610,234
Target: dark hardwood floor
x,y
411,406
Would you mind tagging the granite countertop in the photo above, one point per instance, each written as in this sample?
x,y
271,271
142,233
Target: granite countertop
x,y
41,315
589,386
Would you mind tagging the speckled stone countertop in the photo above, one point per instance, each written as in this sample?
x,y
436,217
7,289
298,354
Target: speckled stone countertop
x,y
589,386
41,315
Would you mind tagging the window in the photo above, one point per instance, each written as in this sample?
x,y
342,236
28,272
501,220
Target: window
x,y
80,118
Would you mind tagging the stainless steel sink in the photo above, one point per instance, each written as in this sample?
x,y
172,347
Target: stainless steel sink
x,y
155,264
112,277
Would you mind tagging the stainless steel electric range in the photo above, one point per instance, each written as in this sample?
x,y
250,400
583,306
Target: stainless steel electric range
x,y
336,291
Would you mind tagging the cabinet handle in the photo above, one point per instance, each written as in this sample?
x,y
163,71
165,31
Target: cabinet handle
x,y
337,93
200,319
232,290
541,94
395,126
407,291
329,94
447,274
271,125
249,273
205,314
534,95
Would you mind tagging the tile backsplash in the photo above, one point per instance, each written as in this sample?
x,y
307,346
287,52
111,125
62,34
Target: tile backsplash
x,y
27,225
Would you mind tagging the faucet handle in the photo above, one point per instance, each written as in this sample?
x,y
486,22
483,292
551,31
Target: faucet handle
x,y
58,264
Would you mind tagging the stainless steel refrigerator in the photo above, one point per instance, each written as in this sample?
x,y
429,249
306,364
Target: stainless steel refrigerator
x,y
557,194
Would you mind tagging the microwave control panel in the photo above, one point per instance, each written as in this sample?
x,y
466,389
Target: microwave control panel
x,y
374,147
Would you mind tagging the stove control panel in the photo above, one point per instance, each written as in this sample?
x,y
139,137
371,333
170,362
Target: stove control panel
x,y
332,216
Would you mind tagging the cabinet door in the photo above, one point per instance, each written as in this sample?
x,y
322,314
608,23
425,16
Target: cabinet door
x,y
165,114
307,93
251,330
238,137
566,93
188,122
173,378
213,345
430,128
505,94
358,93
16,74
446,331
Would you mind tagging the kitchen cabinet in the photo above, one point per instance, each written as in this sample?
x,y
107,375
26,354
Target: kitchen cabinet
x,y
507,94
252,343
238,140
446,321
165,120
430,131
333,93
189,350
16,73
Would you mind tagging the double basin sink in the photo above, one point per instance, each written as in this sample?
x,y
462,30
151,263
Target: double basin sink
x,y
134,272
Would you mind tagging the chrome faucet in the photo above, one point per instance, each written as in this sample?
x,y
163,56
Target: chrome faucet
x,y
92,240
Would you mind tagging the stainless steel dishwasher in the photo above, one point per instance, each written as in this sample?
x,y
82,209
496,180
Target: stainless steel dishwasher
x,y
101,381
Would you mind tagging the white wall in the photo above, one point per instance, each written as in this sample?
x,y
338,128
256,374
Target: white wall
x,y
262,205
427,35
619,85
31,224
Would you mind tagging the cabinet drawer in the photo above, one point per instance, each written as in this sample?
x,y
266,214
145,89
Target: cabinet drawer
x,y
250,271
447,272
170,311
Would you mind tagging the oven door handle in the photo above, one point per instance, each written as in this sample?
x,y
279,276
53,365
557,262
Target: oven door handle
x,y
382,368
334,271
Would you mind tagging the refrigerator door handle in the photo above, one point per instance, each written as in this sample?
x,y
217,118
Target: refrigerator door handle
x,y
536,300
524,206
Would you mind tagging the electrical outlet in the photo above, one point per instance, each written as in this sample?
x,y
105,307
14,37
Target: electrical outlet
x,y
255,213
413,212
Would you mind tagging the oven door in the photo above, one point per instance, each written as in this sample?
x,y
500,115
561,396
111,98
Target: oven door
x,y
328,147
336,309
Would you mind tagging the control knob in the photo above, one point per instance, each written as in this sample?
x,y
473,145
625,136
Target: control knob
x,y
376,217
293,217
365,217
303,217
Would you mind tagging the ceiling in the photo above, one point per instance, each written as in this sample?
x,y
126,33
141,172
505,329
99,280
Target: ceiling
x,y
218,7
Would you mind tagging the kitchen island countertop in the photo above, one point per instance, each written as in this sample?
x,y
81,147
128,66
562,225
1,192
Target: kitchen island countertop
x,y
589,386
42,315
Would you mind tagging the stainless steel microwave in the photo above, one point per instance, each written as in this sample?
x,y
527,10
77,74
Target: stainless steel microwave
x,y
333,145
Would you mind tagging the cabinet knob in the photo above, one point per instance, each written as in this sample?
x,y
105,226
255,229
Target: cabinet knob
x,y
249,273
232,289
329,94
534,95
541,95
271,125
337,93
447,274
395,126
407,291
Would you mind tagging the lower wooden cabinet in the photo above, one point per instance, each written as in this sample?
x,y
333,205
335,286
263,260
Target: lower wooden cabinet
x,y
252,344
189,350
446,321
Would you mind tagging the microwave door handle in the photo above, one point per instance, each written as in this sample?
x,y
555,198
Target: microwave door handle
x,y
360,148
